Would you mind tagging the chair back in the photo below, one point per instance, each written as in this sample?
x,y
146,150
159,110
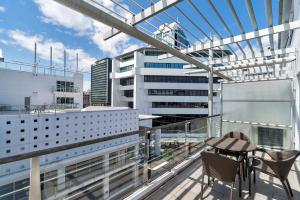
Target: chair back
x,y
282,162
219,167
237,135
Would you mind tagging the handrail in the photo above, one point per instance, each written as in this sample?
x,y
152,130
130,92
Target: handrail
x,y
89,142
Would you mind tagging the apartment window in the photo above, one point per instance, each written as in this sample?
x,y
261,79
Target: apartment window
x,y
127,81
175,92
126,68
65,100
270,136
154,53
64,86
128,93
164,65
178,79
179,105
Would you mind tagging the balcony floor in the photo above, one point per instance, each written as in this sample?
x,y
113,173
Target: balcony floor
x,y
187,185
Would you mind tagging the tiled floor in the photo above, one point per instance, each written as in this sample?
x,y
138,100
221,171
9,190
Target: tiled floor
x,y
187,185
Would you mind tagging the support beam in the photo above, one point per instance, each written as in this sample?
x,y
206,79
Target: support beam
x,y
269,15
92,11
147,13
35,179
239,38
286,8
210,96
249,65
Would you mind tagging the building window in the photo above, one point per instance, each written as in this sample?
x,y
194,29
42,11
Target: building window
x,y
65,86
179,105
164,65
175,92
178,79
270,136
127,81
65,100
128,93
126,68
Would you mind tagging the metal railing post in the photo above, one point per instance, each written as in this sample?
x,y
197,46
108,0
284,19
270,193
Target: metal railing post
x,y
187,131
147,170
210,95
35,180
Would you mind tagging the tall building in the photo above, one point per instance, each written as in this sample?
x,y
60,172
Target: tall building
x,y
168,32
142,81
100,82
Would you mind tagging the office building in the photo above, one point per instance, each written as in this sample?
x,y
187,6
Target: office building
x,y
86,98
100,82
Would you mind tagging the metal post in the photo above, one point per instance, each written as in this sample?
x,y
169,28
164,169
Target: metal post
x,y
65,62
106,177
147,170
35,181
136,165
51,61
76,62
210,94
34,65
187,143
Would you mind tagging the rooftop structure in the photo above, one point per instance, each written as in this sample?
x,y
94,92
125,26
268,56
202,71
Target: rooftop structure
x,y
259,97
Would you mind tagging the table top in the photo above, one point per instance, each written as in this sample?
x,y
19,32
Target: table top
x,y
230,144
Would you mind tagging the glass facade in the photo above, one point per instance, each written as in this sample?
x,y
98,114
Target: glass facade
x,y
179,105
100,82
175,92
164,65
154,53
178,79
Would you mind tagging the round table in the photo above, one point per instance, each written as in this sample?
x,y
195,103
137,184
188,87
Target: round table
x,y
230,144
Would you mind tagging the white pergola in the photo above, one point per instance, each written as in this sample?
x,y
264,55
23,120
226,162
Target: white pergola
x,y
248,51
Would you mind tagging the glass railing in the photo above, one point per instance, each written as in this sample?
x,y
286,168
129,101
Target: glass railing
x,y
103,168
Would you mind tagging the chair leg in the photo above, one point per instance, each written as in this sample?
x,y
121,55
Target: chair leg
x,y
289,186
202,186
254,176
240,186
249,179
247,164
242,167
286,190
231,191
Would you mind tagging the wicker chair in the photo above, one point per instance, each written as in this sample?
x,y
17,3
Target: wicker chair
x,y
222,168
278,166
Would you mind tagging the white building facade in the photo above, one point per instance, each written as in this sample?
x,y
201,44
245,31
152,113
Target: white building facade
x,y
22,88
160,87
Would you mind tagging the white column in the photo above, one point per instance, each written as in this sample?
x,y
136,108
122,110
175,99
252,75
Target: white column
x,y
210,94
61,179
157,137
35,180
106,177
136,165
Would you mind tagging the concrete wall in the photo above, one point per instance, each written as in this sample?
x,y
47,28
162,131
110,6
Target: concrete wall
x,y
16,85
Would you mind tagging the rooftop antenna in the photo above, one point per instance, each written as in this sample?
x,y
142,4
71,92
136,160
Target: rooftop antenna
x,y
51,60
34,64
76,62
65,62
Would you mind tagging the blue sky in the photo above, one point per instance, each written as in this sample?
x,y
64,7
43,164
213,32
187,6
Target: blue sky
x,y
23,22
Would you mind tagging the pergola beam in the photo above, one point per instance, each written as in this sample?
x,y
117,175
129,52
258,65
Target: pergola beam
x,y
269,15
92,11
239,38
145,14
248,65
286,8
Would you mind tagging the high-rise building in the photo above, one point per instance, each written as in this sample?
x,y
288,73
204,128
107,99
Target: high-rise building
x,y
100,82
86,98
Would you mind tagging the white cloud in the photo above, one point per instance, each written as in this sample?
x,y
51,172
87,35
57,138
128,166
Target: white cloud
x,y
86,85
2,9
43,47
57,14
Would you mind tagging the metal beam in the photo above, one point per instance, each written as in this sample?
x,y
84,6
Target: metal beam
x,y
286,8
269,15
92,11
144,15
248,65
254,22
240,38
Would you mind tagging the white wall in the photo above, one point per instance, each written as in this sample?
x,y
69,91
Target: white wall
x,y
16,85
